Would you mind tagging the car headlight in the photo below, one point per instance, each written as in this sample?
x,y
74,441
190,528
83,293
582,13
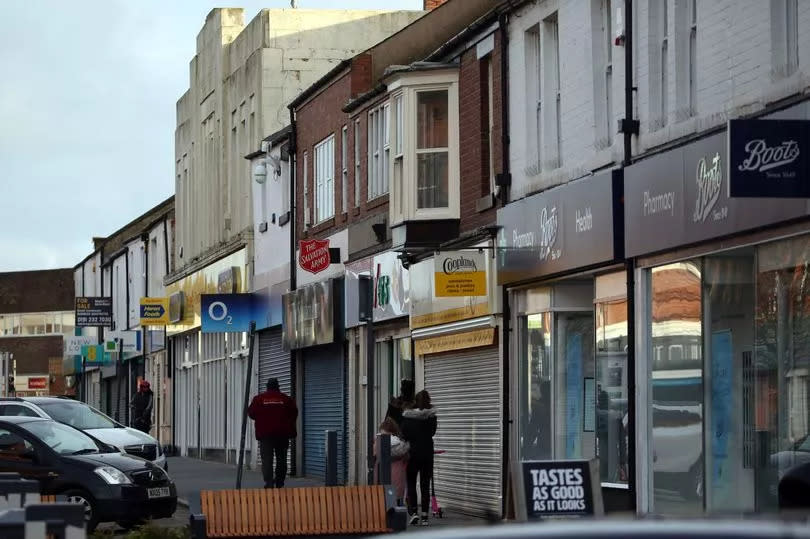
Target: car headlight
x,y
113,476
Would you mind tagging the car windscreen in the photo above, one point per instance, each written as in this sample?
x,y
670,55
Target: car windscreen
x,y
78,415
61,438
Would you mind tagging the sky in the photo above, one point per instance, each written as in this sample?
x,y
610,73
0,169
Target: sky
x,y
87,115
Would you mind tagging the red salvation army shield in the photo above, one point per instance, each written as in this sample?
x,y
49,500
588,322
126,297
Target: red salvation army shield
x,y
313,255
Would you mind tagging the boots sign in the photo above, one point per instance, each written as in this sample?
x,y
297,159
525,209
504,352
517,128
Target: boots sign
x,y
769,158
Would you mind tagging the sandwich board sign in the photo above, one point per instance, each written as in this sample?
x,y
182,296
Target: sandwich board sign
x,y
555,489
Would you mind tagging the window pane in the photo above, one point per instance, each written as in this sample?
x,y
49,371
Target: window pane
x,y
432,121
535,387
611,390
432,188
677,389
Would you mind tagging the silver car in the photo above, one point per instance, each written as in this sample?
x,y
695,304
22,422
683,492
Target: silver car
x,y
86,418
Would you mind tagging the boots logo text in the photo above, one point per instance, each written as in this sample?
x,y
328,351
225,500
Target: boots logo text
x,y
548,234
762,157
709,184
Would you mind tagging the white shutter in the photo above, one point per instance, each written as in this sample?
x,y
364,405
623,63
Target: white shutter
x,y
465,388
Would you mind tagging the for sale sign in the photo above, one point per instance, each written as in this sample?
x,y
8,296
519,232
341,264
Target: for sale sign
x,y
313,255
93,312
567,488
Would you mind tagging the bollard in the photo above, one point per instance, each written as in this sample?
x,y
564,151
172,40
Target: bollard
x,y
331,459
384,459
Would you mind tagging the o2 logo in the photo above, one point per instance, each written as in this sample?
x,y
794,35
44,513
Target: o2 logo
x,y
218,312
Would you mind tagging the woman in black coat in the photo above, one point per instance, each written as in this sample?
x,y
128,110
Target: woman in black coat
x,y
418,427
399,404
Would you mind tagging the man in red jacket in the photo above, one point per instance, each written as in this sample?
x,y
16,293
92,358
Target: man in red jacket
x,y
275,414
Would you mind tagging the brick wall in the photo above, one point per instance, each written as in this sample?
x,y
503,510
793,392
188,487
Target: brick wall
x,y
473,132
316,119
37,291
33,354
57,386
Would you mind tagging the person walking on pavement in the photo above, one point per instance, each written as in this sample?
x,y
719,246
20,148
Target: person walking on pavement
x,y
141,407
399,404
419,425
399,457
274,414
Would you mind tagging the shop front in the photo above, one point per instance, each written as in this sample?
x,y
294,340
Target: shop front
x,y
208,369
560,258
454,325
313,325
723,318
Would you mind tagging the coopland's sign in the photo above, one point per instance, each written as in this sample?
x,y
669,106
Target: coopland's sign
x,y
682,197
567,227
460,274
769,158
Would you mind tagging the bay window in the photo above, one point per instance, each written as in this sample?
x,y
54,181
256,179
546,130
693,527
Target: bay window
x,y
424,137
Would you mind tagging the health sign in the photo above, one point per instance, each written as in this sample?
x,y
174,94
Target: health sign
x,y
93,312
154,311
563,488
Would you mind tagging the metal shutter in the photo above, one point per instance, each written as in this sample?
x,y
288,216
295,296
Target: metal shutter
x,y
324,408
274,362
465,390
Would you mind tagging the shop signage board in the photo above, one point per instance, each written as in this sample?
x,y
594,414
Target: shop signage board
x,y
313,314
460,274
768,159
93,312
37,382
154,311
313,255
95,355
224,313
455,341
560,489
130,342
572,226
73,345
391,287
680,197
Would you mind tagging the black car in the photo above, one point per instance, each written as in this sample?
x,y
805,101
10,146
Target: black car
x,y
112,486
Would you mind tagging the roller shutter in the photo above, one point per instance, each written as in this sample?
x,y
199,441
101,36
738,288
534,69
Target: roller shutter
x,y
274,362
324,408
465,390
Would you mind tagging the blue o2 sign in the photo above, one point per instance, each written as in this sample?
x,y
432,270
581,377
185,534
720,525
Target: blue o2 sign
x,y
226,313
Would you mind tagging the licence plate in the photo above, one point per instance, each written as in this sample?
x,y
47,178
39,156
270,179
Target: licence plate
x,y
160,492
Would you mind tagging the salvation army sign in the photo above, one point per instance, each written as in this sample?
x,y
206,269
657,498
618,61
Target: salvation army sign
x,y
313,255
769,158
562,488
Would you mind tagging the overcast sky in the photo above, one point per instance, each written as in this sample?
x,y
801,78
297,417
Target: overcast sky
x,y
87,115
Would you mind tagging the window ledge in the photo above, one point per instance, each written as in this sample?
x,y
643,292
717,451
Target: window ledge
x,y
485,203
377,202
356,210
323,225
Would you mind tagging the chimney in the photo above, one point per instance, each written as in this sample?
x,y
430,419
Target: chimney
x,y
430,5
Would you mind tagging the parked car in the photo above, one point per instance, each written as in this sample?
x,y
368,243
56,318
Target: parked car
x,y
112,486
84,417
795,456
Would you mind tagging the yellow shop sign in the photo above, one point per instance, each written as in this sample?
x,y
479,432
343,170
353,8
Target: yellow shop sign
x,y
460,274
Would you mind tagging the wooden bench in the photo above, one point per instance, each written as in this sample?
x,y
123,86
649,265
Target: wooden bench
x,y
295,511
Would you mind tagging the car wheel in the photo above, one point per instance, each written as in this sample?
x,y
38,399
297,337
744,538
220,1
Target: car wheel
x,y
82,498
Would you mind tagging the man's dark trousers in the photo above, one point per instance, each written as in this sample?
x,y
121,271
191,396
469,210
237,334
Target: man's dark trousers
x,y
270,448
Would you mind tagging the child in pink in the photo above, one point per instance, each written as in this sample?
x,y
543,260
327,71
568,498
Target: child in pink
x,y
399,457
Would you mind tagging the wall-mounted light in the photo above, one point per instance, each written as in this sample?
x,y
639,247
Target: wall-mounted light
x,y
260,173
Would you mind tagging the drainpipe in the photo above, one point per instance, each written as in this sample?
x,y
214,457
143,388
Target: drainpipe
x,y
504,180
293,281
629,127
